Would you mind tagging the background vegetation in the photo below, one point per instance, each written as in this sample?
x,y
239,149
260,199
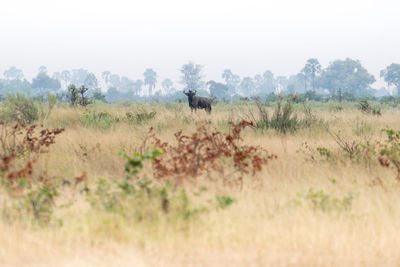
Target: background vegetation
x,y
341,79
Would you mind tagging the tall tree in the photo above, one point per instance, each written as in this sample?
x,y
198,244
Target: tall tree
x,y
232,81
347,74
44,83
310,70
115,80
167,85
219,90
304,76
295,83
127,85
282,83
192,76
43,69
106,77
13,74
268,83
66,76
79,76
98,95
137,86
150,79
391,75
56,76
247,86
113,94
90,81
258,83
227,76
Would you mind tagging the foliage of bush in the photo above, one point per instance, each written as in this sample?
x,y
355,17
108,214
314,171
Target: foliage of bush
x,y
32,196
325,202
140,199
366,108
99,120
355,149
284,119
140,116
25,109
336,108
77,95
205,150
20,108
21,140
389,150
99,96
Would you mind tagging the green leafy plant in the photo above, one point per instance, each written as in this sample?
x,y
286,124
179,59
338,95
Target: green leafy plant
x,y
77,96
20,108
336,108
366,107
389,150
73,95
224,201
284,119
83,99
99,96
100,120
141,116
139,198
135,163
323,151
325,202
44,112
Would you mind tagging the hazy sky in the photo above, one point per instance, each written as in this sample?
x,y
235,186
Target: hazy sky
x,y
247,36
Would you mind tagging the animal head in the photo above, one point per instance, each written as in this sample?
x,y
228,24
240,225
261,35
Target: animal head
x,y
190,93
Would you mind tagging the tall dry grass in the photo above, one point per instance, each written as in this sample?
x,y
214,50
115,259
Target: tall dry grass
x,y
273,221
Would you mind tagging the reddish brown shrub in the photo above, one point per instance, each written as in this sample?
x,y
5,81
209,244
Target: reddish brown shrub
x,y
205,151
20,139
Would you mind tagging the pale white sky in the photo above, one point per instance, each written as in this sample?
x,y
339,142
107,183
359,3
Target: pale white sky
x,y
247,36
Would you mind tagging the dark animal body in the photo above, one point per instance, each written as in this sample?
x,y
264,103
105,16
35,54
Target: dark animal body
x,y
198,102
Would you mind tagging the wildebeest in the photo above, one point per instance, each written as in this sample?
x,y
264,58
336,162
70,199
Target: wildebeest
x,y
196,102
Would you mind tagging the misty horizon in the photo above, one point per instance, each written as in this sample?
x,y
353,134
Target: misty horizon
x,y
248,38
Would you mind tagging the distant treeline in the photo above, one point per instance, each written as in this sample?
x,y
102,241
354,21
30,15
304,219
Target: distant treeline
x,y
343,79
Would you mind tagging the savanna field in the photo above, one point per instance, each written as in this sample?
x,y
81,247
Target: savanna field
x,y
152,184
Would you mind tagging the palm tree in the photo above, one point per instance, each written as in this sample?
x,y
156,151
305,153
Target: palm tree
x,y
106,77
66,77
312,68
150,79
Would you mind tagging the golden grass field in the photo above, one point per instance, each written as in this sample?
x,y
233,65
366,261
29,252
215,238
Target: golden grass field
x,y
271,223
